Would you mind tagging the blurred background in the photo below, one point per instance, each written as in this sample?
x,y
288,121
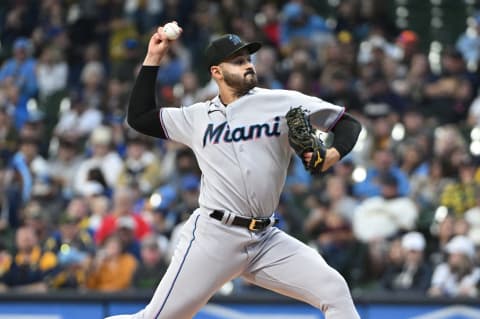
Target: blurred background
x,y
82,193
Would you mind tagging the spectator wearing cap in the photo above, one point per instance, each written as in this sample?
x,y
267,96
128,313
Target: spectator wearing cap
x,y
103,159
112,269
122,207
408,41
412,273
300,25
449,94
459,276
20,69
79,121
189,192
383,163
123,68
125,231
141,166
15,103
379,120
31,267
163,215
70,235
152,265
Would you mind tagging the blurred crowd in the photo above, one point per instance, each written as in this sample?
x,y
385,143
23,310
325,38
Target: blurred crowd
x,y
87,203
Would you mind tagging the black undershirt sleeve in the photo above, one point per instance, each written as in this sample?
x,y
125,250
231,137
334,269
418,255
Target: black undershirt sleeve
x,y
142,112
346,132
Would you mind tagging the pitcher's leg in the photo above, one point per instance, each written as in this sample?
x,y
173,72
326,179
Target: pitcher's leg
x,y
192,277
291,268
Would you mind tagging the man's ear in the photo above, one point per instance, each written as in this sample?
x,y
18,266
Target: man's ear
x,y
216,72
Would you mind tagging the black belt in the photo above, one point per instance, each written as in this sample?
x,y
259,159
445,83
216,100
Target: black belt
x,y
252,224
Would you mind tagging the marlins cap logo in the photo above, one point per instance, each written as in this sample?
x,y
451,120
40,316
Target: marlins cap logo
x,y
235,39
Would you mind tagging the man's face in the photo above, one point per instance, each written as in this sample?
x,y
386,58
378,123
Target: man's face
x,y
239,73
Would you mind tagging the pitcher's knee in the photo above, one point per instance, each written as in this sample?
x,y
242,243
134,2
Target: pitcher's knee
x,y
333,288
339,284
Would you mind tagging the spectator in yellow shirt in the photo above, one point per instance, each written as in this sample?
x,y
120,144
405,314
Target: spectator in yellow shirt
x,y
112,268
31,267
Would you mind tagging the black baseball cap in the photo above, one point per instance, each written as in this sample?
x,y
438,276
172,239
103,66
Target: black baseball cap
x,y
225,46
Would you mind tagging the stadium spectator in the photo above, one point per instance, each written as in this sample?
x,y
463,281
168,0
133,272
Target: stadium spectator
x,y
20,69
31,267
24,167
459,276
70,236
122,208
461,194
383,163
73,267
65,78
449,94
78,121
152,266
52,75
303,27
63,165
411,273
112,269
125,231
383,216
104,165
140,165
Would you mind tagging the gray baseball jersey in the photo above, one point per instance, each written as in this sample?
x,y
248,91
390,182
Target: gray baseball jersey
x,y
243,152
243,149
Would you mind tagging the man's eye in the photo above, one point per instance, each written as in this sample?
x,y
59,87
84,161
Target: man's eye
x,y
241,61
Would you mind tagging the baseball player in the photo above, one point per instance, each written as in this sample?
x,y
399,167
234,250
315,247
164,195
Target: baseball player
x,y
241,141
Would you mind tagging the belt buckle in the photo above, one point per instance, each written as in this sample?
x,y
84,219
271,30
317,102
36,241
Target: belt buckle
x,y
253,224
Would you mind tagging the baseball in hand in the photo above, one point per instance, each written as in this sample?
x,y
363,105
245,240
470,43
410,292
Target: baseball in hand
x,y
172,30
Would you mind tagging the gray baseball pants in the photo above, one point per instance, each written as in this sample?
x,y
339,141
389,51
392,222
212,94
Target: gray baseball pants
x,y
210,253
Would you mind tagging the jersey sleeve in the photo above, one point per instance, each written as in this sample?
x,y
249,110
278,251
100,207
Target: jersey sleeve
x,y
323,115
177,123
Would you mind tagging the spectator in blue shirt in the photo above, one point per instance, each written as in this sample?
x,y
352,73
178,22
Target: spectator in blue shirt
x,y
299,24
382,163
21,68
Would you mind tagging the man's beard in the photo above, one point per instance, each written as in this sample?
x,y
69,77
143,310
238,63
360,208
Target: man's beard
x,y
241,84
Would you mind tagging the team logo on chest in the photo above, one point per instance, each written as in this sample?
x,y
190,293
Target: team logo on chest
x,y
221,132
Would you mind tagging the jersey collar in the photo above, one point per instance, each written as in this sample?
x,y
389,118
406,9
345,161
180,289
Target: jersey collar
x,y
216,103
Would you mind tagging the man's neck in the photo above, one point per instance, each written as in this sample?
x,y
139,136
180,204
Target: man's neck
x,y
228,96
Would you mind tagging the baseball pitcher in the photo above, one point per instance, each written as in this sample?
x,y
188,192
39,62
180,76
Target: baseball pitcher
x,y
243,139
